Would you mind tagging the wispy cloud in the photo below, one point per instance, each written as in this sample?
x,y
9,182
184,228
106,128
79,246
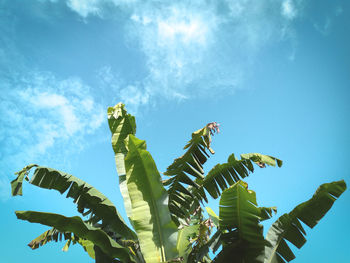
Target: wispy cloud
x,y
324,27
176,41
192,48
85,8
288,9
41,112
325,23
43,118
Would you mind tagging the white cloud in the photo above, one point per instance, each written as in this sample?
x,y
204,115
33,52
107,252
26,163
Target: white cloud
x,y
47,102
194,48
40,113
85,7
134,97
186,30
288,9
174,40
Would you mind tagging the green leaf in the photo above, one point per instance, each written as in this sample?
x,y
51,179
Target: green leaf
x,y
156,231
66,246
121,125
267,212
203,242
184,244
16,184
213,243
50,235
239,222
288,226
263,159
224,175
85,196
184,168
77,226
87,245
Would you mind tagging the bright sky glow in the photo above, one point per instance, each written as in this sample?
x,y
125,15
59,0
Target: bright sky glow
x,y
288,9
193,31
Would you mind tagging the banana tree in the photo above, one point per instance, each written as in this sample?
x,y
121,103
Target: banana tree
x,y
167,213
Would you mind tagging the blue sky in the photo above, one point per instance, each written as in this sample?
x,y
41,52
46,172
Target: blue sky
x,y
274,74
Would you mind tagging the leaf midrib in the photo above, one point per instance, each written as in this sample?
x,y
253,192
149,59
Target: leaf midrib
x,y
154,205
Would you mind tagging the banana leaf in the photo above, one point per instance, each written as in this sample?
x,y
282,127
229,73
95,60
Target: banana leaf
x,y
87,245
17,184
84,195
289,228
77,226
55,235
186,167
156,232
221,176
243,240
50,235
184,240
261,159
121,124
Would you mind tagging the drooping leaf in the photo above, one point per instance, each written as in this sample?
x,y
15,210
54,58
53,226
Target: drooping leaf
x,y
239,222
224,175
85,196
88,246
121,124
77,226
66,246
288,226
50,235
186,167
16,184
156,231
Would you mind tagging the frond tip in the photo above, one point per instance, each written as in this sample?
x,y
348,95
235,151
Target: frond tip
x,y
88,199
289,228
187,167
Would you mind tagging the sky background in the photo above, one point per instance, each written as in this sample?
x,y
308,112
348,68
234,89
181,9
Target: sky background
x,y
274,74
